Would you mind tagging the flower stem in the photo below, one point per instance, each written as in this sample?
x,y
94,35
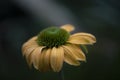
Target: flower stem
x,y
61,75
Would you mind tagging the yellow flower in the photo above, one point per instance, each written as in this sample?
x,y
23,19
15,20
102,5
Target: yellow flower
x,y
53,46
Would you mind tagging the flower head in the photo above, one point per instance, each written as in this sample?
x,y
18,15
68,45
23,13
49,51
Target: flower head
x,y
53,46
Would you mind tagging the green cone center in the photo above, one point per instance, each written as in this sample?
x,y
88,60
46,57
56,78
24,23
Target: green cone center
x,y
52,37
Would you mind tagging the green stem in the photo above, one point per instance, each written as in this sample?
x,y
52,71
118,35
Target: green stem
x,y
61,75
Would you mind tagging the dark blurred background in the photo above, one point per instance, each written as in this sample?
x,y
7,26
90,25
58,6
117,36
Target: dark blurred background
x,y
22,19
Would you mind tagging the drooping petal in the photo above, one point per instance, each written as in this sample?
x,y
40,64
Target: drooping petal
x,y
27,52
47,60
41,60
28,49
68,27
69,56
29,44
30,41
44,60
35,55
76,50
33,38
56,58
82,38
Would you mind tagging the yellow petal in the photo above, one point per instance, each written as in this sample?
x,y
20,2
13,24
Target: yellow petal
x,y
28,49
27,52
68,27
35,56
30,41
69,56
82,38
47,60
44,60
75,49
41,60
29,44
56,58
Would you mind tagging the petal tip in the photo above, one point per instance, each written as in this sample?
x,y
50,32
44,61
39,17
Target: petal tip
x,y
68,27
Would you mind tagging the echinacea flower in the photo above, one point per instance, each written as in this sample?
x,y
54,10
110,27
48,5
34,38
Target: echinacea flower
x,y
53,46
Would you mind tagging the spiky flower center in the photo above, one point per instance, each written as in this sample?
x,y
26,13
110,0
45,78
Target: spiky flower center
x,y
52,37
